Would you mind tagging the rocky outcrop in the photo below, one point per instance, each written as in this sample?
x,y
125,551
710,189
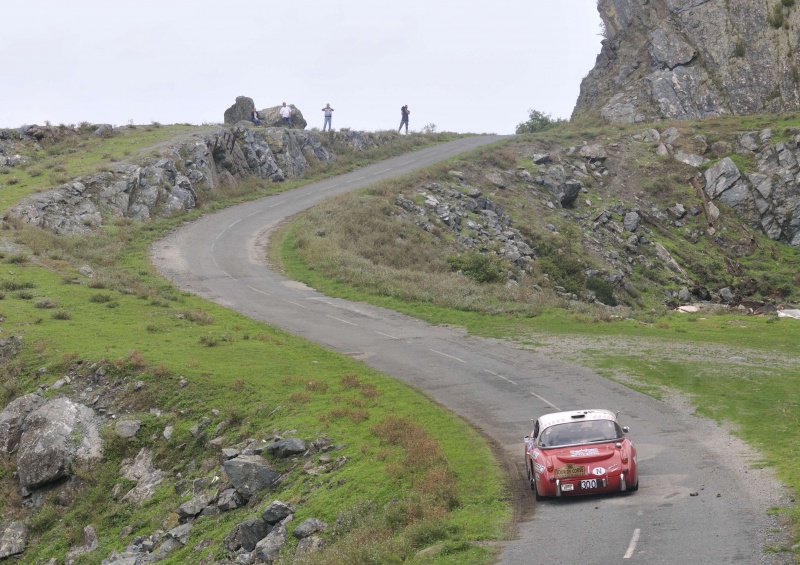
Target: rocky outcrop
x,y
173,184
688,59
54,437
241,110
767,197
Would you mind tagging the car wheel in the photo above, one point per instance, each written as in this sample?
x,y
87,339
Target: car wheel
x,y
635,487
531,480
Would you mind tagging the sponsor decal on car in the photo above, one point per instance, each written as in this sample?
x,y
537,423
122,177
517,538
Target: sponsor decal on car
x,y
598,471
570,470
539,468
614,467
582,452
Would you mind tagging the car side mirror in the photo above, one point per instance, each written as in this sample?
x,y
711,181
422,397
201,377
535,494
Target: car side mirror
x,y
625,429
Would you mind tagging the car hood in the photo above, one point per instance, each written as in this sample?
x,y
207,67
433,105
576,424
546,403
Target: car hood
x,y
581,454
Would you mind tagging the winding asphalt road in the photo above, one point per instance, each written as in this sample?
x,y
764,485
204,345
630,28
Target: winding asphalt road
x,y
693,505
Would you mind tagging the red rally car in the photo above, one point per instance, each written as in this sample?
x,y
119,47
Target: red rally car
x,y
580,452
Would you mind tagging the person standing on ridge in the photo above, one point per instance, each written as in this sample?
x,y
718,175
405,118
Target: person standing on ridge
x,y
286,114
404,112
328,114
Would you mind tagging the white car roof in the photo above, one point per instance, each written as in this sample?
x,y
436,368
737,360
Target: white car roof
x,y
575,416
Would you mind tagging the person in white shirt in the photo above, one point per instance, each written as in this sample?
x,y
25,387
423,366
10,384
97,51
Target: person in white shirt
x,y
286,114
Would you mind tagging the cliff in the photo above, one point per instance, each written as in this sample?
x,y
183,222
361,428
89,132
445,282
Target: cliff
x,y
689,59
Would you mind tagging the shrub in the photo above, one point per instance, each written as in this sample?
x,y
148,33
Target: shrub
x,y
539,121
61,315
776,18
45,303
477,266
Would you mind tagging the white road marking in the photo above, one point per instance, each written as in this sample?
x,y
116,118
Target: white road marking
x,y
543,399
229,227
257,290
500,376
387,335
340,320
383,171
277,204
296,304
632,545
450,356
229,275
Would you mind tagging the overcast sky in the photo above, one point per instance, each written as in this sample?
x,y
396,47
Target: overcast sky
x,y
465,66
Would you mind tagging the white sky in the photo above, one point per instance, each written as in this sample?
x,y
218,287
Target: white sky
x,y
463,65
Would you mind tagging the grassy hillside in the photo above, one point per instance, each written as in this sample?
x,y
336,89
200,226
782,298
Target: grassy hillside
x,y
88,318
735,367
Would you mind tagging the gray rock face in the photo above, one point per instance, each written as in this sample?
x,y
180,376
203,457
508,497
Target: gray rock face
x,y
269,549
701,58
250,474
768,199
562,186
287,447
247,534
240,111
277,511
54,436
12,418
146,476
171,185
13,539
309,527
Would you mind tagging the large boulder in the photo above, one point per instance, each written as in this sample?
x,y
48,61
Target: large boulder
x,y
54,437
250,474
12,419
242,109
272,117
269,549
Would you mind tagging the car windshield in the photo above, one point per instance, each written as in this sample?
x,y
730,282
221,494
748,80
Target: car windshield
x,y
576,433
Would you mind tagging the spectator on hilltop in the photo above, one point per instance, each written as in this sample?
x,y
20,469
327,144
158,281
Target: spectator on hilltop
x,y
404,112
286,114
328,114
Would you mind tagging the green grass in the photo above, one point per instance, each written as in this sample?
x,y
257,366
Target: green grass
x,y
756,397
258,379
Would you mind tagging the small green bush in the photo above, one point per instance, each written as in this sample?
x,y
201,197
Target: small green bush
x,y
45,303
776,18
477,266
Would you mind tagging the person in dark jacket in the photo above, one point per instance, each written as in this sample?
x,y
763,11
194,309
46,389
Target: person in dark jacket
x,y
404,112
